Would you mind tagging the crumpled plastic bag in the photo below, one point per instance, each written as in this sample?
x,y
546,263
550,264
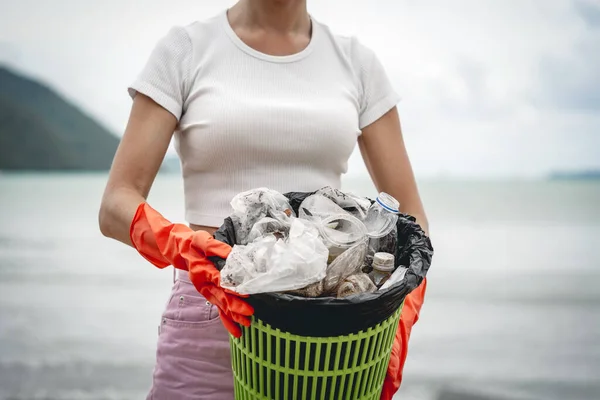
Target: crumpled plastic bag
x,y
318,207
269,226
253,205
397,276
338,228
348,263
270,264
355,205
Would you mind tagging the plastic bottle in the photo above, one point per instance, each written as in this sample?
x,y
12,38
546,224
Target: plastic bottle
x,y
382,215
383,266
380,221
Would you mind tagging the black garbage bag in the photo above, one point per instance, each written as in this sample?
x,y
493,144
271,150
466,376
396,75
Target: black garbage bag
x,y
328,316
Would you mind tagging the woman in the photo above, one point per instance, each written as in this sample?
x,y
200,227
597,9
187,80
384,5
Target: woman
x,y
261,95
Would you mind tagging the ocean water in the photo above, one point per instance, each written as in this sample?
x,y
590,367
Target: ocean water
x,y
512,310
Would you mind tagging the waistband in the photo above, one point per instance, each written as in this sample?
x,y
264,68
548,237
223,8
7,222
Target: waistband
x,y
180,275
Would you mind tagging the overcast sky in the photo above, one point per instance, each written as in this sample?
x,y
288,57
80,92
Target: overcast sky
x,y
489,87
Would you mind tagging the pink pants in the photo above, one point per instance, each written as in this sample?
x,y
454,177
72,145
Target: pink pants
x,y
193,360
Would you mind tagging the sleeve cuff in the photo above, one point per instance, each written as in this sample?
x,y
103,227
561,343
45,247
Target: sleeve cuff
x,y
159,97
377,110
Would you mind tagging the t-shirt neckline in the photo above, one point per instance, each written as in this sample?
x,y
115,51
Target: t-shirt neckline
x,y
268,57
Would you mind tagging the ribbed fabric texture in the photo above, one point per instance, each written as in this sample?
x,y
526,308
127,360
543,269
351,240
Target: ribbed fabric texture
x,y
248,119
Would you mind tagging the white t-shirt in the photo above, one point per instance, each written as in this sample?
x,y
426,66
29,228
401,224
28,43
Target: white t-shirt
x,y
248,119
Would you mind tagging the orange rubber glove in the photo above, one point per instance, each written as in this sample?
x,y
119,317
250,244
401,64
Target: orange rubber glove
x,y
409,316
164,243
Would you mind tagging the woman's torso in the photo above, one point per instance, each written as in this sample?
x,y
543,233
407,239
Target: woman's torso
x,y
249,120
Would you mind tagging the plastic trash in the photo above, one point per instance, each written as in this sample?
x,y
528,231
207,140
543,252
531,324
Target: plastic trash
x,y
382,215
355,284
339,229
383,266
353,204
251,206
270,264
397,276
341,232
380,222
312,290
348,263
318,207
269,226
327,316
384,244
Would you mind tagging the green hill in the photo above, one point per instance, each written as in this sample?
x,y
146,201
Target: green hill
x,y
582,175
39,130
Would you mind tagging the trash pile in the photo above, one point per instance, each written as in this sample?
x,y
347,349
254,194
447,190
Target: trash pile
x,y
337,245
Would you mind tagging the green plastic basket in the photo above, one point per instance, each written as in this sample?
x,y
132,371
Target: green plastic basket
x,y
272,365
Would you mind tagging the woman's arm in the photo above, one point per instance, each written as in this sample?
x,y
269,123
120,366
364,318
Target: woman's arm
x,y
382,147
136,163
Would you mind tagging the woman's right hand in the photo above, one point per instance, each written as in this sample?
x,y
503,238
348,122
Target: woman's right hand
x,y
136,163
164,243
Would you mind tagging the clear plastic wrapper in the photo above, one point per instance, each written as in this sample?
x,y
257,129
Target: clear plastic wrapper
x,y
348,263
355,284
253,205
318,207
269,226
340,233
355,205
339,229
270,264
312,290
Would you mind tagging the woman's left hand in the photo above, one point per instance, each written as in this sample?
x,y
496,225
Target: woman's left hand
x,y
383,150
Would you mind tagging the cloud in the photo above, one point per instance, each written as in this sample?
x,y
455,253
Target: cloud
x,y
488,88
572,83
589,11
